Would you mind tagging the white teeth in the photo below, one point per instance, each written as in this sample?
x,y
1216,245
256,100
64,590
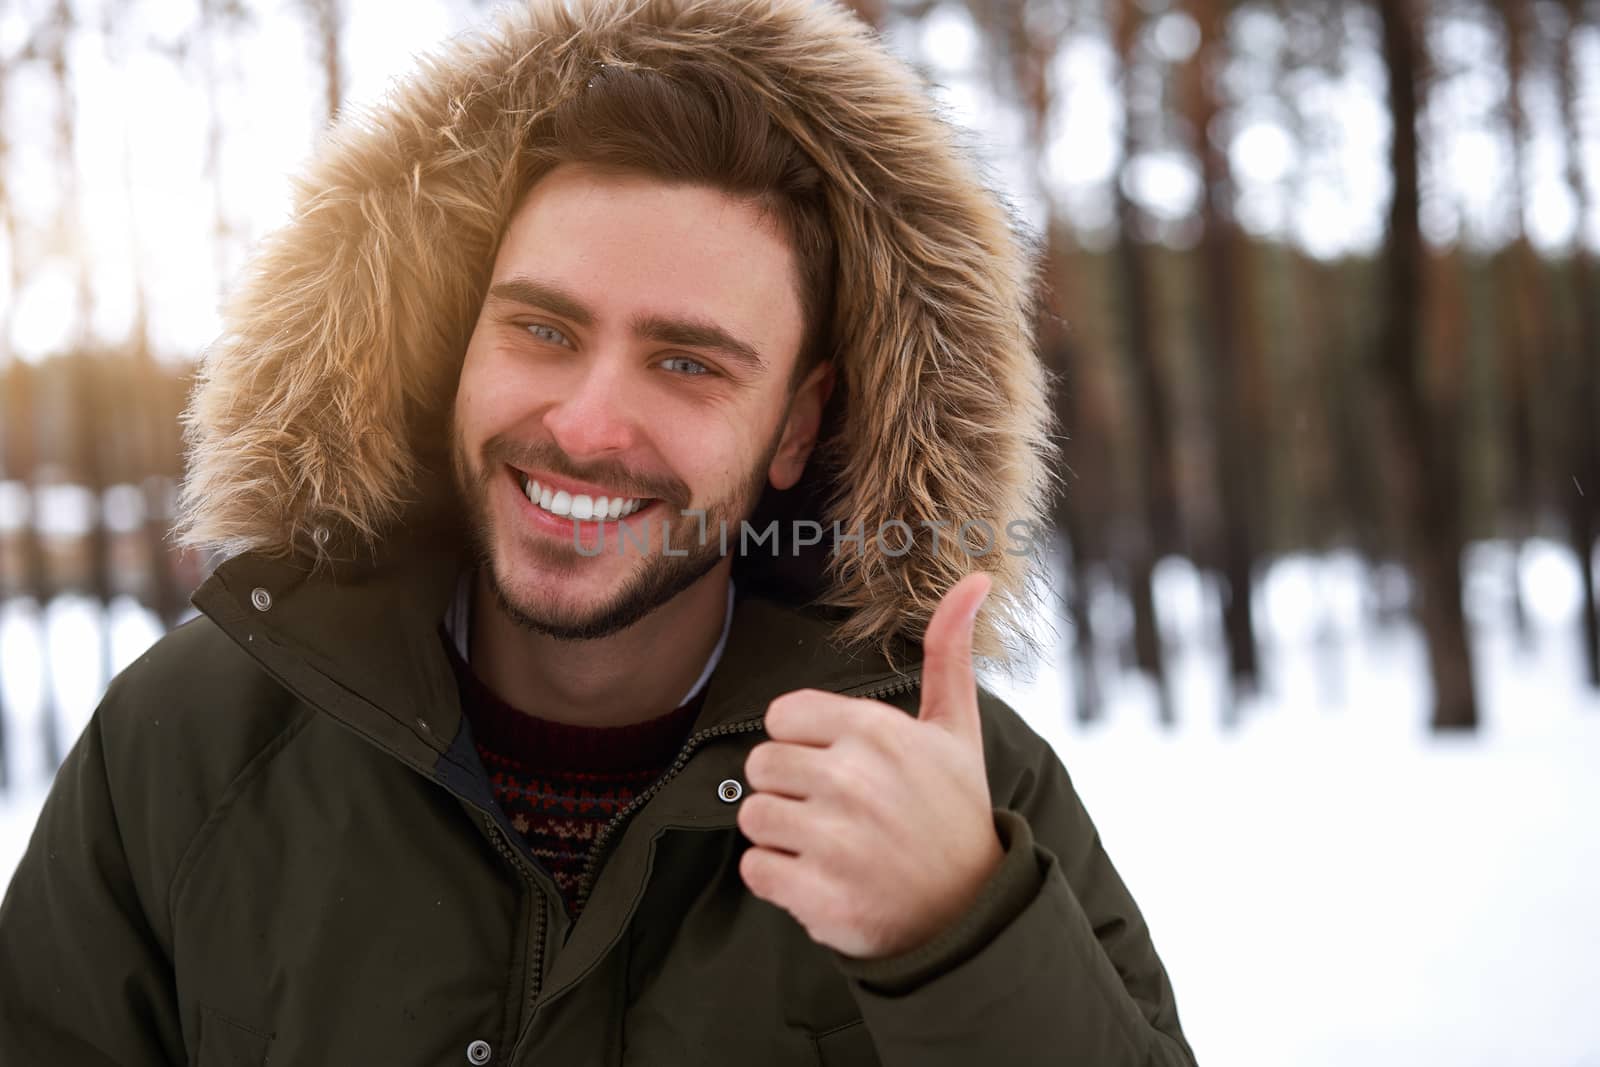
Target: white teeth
x,y
579,507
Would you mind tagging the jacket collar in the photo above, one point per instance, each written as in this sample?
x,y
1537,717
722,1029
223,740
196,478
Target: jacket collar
x,y
360,641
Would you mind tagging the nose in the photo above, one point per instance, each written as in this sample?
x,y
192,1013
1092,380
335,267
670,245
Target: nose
x,y
594,417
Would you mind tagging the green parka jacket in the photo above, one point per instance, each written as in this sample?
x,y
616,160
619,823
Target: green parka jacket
x,y
274,843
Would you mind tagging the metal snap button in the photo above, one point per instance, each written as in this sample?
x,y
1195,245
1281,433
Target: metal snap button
x,y
260,598
730,790
478,1052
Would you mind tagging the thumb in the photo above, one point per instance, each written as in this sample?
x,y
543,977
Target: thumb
x,y
949,689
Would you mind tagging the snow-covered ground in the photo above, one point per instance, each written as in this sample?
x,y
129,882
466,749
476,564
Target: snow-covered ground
x,y
1327,883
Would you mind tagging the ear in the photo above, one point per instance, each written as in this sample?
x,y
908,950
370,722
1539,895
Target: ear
x,y
801,425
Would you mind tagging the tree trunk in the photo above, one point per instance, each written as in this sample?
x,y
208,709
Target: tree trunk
x,y
327,28
1583,440
1068,361
9,467
1234,379
61,27
23,440
1522,311
95,432
1158,529
1020,57
1425,456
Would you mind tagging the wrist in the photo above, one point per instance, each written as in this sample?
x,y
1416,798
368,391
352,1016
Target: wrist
x,y
999,900
980,874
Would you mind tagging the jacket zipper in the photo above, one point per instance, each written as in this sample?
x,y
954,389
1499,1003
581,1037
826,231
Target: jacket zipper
x,y
753,724
591,866
533,976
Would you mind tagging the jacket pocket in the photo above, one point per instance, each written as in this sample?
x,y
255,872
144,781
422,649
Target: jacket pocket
x,y
849,1045
226,1042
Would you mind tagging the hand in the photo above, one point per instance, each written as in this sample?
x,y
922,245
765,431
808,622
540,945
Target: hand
x,y
873,829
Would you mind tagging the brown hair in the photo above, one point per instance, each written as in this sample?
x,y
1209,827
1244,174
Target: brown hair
x,y
703,129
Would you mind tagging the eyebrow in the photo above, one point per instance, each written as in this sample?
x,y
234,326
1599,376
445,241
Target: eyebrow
x,y
690,331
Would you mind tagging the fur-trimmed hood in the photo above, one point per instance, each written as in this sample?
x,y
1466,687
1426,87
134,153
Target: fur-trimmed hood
x,y
318,424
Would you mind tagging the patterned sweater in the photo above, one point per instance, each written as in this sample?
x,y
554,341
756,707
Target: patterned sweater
x,y
560,783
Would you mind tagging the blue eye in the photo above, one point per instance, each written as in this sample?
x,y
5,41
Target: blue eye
x,y
685,365
535,327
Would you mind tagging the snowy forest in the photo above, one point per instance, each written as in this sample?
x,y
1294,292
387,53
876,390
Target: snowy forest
x,y
1319,297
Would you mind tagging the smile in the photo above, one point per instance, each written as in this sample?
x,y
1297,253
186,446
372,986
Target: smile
x,y
578,506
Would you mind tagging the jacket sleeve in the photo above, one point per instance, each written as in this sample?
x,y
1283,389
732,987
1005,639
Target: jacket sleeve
x,y
84,979
1053,963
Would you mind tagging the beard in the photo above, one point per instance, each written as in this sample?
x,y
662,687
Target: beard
x,y
655,581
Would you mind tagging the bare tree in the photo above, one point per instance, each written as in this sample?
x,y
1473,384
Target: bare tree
x,y
1425,455
1523,304
1232,362
1582,446
10,465
152,428
327,29
51,46
217,22
1158,529
1021,37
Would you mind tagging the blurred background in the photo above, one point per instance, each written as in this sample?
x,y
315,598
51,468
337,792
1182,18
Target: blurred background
x,y
1322,650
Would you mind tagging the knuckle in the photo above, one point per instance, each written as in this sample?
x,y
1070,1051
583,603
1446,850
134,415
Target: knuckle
x,y
862,720
834,850
880,728
782,709
839,775
861,765
758,764
754,871
755,815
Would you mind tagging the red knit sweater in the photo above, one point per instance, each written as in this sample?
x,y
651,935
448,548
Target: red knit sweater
x,y
559,783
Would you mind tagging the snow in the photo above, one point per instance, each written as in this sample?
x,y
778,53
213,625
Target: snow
x,y
1328,883
1329,886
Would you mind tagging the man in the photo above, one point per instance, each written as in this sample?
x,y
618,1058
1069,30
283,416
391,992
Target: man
x,y
534,719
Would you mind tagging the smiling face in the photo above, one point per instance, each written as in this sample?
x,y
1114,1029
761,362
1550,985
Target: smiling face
x,y
631,362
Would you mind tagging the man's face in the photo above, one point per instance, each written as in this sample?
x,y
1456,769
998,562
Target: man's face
x,y
636,345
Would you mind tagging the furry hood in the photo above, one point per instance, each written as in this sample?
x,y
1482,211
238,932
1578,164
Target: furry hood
x,y
317,427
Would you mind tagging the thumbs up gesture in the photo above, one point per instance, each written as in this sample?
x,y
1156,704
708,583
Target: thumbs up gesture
x,y
873,829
